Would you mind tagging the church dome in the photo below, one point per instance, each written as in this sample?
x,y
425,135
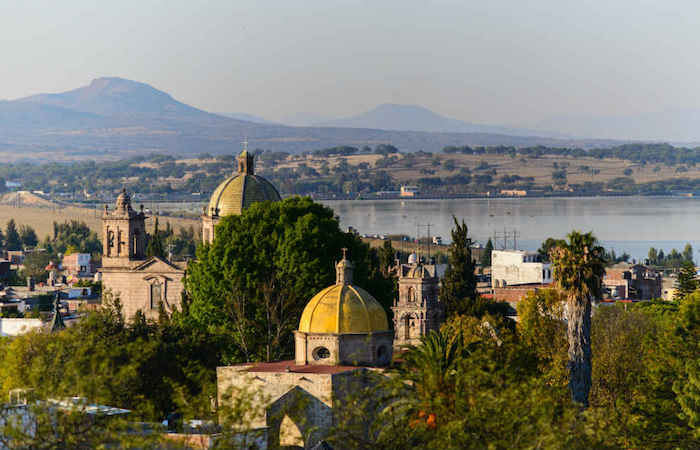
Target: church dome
x,y
343,308
241,190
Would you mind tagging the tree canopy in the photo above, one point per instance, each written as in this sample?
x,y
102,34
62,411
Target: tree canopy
x,y
264,265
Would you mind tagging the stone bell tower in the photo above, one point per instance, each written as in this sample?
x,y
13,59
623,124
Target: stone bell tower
x,y
123,234
417,310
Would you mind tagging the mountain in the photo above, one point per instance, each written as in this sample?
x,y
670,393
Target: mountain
x,y
247,117
418,118
116,118
117,97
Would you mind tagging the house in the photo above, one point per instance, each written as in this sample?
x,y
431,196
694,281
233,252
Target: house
x,y
517,267
632,281
79,264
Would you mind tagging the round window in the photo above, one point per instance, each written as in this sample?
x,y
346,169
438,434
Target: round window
x,y
321,353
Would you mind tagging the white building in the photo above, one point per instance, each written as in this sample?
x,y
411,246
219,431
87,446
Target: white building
x,y
514,267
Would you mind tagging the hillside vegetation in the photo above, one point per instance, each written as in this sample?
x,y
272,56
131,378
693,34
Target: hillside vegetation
x,y
342,172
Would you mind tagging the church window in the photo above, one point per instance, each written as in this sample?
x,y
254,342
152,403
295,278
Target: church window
x,y
321,353
156,295
382,354
411,295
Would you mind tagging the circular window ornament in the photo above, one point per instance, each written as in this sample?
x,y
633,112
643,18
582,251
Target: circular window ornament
x,y
321,353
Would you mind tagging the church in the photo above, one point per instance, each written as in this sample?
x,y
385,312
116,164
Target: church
x,y
145,283
343,345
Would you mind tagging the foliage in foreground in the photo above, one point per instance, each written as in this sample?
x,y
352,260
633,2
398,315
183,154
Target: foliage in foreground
x,y
477,386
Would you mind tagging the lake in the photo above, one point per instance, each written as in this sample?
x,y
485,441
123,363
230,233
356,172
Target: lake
x,y
631,224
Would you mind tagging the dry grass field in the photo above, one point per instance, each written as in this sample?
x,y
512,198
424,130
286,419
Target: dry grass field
x,y
579,170
42,219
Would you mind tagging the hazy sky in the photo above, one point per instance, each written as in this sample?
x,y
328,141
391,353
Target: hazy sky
x,y
491,61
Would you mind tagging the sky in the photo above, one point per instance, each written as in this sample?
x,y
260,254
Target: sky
x,y
502,62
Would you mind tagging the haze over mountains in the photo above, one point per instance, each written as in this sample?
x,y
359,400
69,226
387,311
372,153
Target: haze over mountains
x,y
418,118
115,117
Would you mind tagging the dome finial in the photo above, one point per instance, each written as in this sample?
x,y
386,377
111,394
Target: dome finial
x,y
343,270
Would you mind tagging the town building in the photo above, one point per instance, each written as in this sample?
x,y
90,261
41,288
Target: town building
x,y
417,309
79,265
409,191
517,267
342,342
237,193
142,283
632,281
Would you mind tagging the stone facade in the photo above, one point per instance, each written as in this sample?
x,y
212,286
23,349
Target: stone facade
x,y
363,349
301,399
417,310
144,285
141,283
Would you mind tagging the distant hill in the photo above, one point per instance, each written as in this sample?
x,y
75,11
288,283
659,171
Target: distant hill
x,y
247,117
117,97
116,118
418,118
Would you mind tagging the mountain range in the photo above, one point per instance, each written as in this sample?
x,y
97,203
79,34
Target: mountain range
x,y
114,118
418,118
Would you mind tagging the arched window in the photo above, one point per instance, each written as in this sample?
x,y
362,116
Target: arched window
x,y
156,294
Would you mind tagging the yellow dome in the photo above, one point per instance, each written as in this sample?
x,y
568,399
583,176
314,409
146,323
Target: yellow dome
x,y
343,308
239,192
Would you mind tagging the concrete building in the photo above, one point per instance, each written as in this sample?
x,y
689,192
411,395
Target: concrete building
x,y
343,338
516,267
79,264
142,283
417,310
237,193
409,191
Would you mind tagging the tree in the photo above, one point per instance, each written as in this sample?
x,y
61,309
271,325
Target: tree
x,y
547,246
486,254
35,265
251,284
12,239
653,256
458,291
155,243
579,266
688,252
28,236
687,280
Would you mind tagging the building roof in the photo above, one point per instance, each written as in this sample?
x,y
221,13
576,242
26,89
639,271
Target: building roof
x,y
343,308
291,366
241,190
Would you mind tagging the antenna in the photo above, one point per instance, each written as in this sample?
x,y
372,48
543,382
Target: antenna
x,y
245,144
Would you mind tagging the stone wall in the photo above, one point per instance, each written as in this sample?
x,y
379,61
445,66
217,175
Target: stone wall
x,y
134,290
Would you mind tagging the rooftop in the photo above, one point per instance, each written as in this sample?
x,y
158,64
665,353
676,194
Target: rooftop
x,y
290,366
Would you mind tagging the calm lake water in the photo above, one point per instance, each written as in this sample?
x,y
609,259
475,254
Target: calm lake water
x,y
631,224
625,224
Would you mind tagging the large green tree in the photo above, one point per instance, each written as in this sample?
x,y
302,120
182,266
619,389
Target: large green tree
x,y
486,254
579,266
458,291
687,280
254,280
12,238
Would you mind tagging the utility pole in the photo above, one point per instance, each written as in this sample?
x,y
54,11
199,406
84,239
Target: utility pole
x,y
429,241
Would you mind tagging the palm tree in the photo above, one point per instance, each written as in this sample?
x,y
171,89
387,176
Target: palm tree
x,y
579,266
